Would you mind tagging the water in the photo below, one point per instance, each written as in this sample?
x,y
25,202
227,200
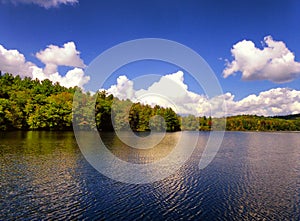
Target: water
x,y
255,176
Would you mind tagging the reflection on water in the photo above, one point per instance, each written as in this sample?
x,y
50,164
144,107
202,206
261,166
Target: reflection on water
x,y
254,176
140,156
273,180
38,174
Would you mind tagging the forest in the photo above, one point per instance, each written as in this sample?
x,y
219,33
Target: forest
x,y
246,123
27,104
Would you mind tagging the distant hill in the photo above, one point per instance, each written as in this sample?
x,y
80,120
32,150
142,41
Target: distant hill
x,y
288,117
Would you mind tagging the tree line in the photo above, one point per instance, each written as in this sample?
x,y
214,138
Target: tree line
x,y
261,123
243,123
28,104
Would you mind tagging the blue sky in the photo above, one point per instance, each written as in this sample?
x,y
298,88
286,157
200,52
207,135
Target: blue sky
x,y
211,28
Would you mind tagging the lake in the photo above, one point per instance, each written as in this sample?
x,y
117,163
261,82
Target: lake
x,y
254,176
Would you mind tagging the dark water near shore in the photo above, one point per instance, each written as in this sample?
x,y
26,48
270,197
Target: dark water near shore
x,y
255,176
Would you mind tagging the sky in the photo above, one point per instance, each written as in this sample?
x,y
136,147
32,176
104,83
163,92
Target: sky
x,y
252,47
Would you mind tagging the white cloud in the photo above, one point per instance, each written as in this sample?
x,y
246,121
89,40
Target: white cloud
x,y
54,56
123,89
44,3
275,62
277,101
12,61
171,91
74,77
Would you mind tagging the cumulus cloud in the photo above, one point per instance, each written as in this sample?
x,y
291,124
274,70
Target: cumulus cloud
x,y
277,101
74,77
123,89
171,91
54,56
275,62
43,3
12,61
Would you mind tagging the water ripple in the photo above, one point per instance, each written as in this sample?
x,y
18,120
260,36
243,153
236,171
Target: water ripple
x,y
255,176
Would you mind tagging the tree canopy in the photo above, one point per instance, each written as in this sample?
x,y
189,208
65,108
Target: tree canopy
x,y
30,104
